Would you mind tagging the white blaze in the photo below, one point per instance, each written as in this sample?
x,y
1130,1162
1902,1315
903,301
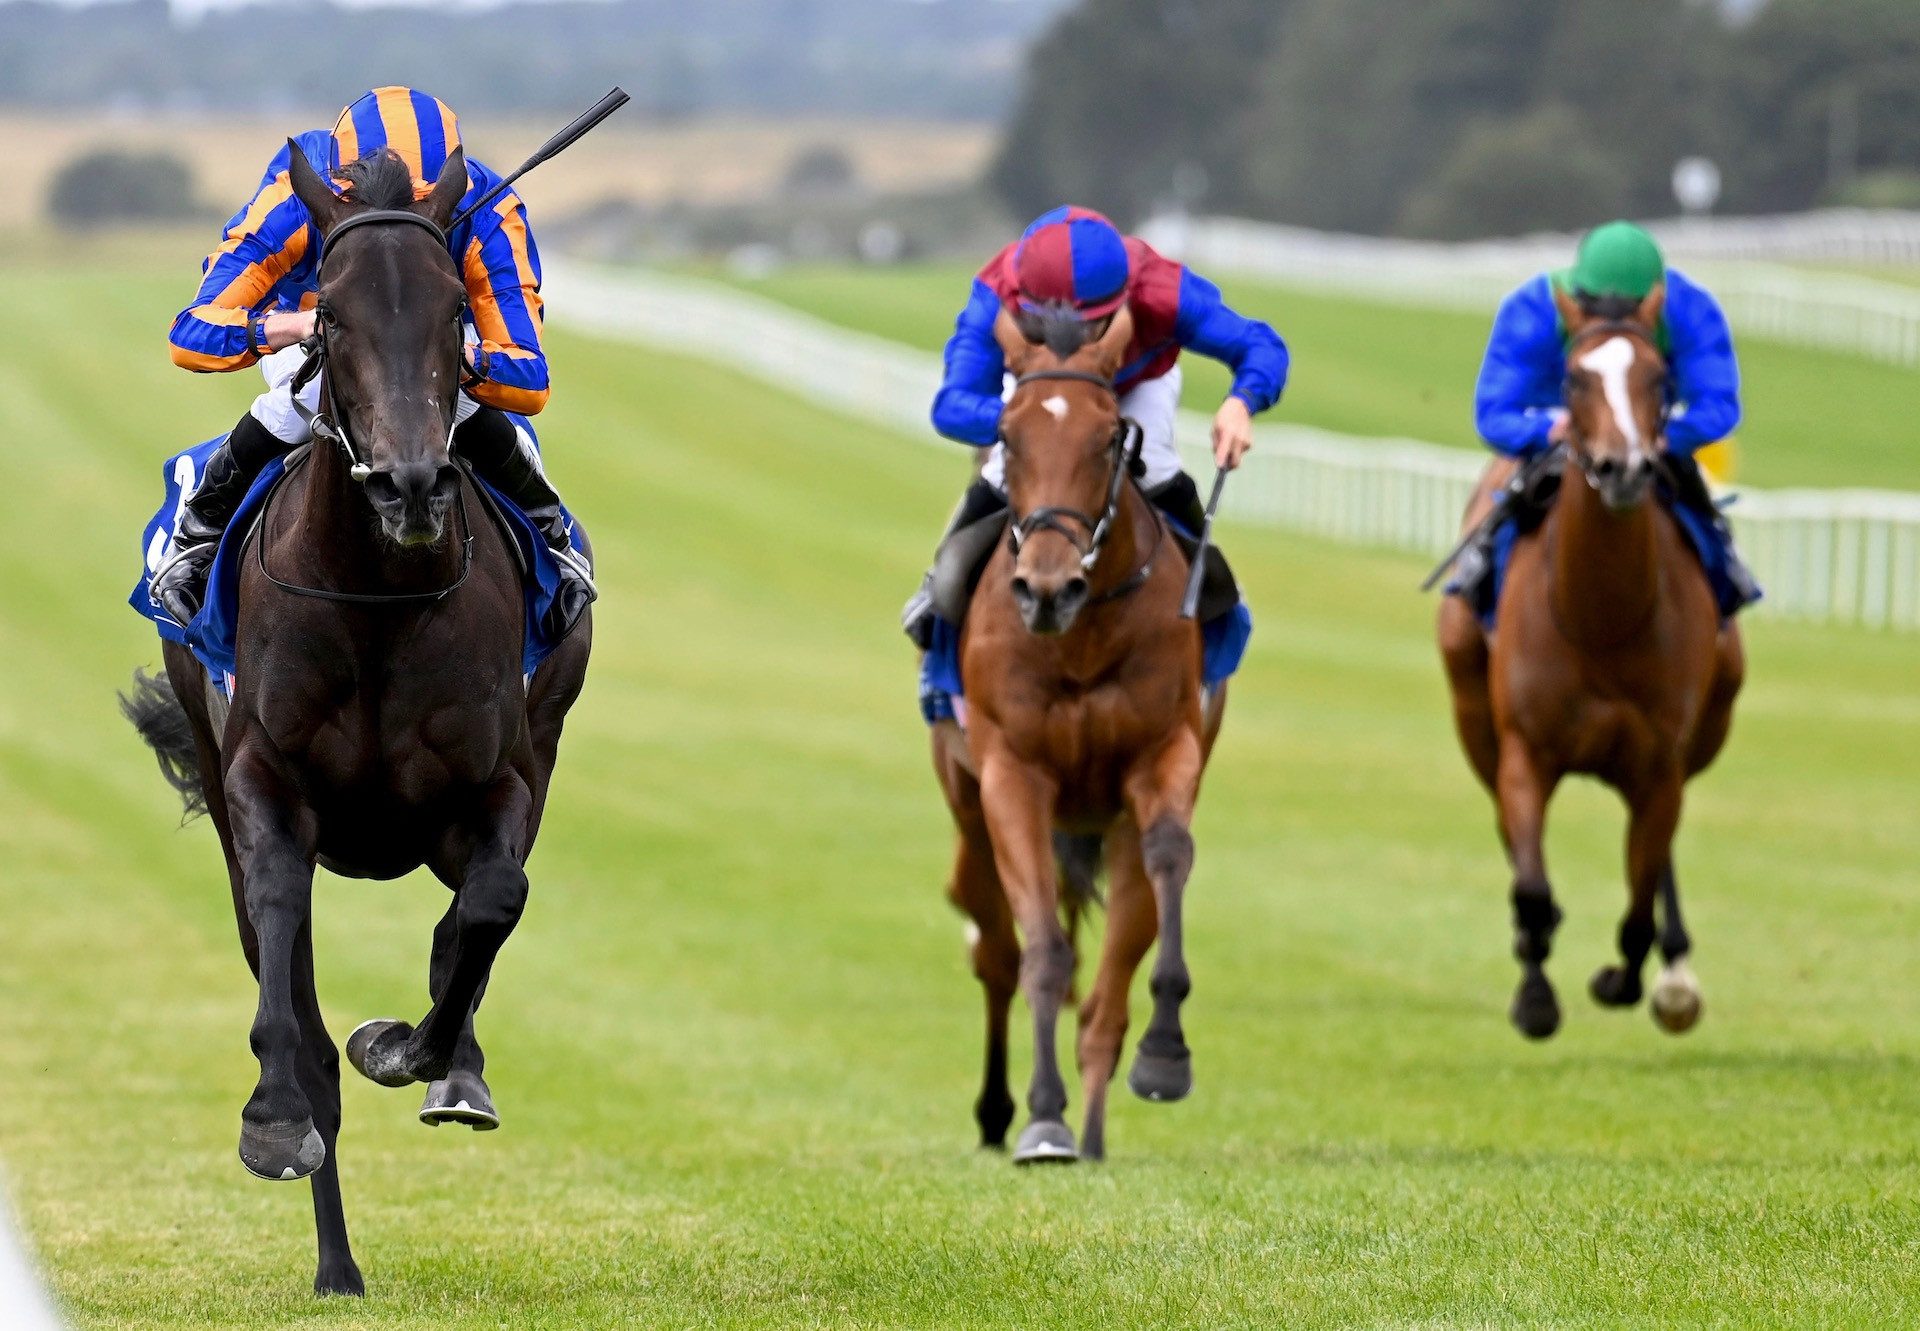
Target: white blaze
x,y
1611,360
1057,407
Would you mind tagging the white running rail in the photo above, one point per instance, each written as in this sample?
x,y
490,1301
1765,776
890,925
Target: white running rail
x,y
1835,311
1849,556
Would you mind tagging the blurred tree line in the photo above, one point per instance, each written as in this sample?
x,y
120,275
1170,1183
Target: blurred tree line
x,y
1464,118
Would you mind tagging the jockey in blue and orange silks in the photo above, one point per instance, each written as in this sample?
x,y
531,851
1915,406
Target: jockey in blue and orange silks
x,y
1520,410
256,305
1075,256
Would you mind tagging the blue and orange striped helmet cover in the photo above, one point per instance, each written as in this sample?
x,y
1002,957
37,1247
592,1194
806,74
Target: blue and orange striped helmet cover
x,y
417,125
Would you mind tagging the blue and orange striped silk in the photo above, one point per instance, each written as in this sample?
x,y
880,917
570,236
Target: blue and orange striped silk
x,y
268,257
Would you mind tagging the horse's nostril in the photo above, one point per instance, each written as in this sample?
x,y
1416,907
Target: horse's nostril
x,y
1074,592
1022,590
1606,466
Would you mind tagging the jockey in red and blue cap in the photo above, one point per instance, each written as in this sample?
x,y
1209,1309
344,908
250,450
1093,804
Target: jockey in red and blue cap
x,y
1074,256
255,305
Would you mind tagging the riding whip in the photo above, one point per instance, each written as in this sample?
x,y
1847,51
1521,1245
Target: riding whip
x,y
553,147
1190,603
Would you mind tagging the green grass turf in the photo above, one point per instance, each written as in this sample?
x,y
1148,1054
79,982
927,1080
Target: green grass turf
x,y
735,1041
1813,418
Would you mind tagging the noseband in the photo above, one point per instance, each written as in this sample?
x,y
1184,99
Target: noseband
x,y
1124,459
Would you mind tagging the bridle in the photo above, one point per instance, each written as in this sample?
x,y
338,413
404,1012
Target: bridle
x,y
1124,461
1631,328
330,427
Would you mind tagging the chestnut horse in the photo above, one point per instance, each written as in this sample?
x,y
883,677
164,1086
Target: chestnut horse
x,y
1608,658
1084,718
379,720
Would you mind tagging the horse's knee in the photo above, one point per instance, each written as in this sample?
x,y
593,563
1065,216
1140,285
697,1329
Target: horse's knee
x,y
1166,849
492,899
1046,965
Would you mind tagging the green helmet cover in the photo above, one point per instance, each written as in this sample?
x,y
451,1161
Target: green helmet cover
x,y
1616,259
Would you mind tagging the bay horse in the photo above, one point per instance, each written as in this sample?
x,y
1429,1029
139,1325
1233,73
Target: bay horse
x,y
1085,729
378,719
1608,657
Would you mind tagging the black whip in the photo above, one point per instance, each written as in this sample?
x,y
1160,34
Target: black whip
x,y
553,147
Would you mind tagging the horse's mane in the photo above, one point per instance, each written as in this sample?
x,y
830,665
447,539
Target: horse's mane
x,y
1613,309
1060,326
381,179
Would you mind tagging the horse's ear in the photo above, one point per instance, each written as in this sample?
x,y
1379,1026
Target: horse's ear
x,y
1110,352
447,191
1572,317
1648,315
1014,347
325,207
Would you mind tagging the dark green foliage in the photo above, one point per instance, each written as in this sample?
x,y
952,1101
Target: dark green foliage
x,y
1468,117
112,186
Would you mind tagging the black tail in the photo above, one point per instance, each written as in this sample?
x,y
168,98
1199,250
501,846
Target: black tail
x,y
162,722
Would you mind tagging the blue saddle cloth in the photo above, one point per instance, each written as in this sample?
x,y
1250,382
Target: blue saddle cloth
x,y
1702,536
1223,645
213,632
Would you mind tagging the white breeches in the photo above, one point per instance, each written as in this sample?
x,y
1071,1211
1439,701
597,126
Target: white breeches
x,y
1154,404
275,408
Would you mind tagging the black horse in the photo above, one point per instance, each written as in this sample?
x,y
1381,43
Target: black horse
x,y
379,720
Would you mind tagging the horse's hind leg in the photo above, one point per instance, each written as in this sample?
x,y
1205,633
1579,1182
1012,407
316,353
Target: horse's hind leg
x,y
320,1077
1160,797
1103,1016
1654,818
995,953
1523,791
1463,651
462,1096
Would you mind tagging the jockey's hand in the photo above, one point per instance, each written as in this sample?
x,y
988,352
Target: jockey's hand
x,y
1562,427
285,328
1232,433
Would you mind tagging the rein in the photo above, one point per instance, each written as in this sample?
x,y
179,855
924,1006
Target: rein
x,y
1125,455
264,529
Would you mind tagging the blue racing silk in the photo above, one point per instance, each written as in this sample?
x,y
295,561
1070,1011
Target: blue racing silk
x,y
1522,379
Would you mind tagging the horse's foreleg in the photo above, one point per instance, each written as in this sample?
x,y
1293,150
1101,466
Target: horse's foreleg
x,y
1018,804
1523,790
1131,925
462,1096
273,844
486,862
320,1076
1654,818
1160,795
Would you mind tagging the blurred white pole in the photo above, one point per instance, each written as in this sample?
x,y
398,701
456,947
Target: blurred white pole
x,y
23,1304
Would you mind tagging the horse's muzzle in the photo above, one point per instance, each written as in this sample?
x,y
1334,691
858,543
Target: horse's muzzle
x,y
1047,610
1621,482
413,500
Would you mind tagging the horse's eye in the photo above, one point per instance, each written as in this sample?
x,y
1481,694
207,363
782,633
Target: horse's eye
x,y
327,316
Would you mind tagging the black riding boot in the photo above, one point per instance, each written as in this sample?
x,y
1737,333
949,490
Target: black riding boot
x,y
489,441
1690,491
179,585
981,501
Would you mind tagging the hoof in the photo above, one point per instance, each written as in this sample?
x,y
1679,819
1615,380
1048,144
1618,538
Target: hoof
x,y
375,1049
281,1152
343,1279
1159,1078
462,1097
1045,1143
1615,986
1676,999
1535,1012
